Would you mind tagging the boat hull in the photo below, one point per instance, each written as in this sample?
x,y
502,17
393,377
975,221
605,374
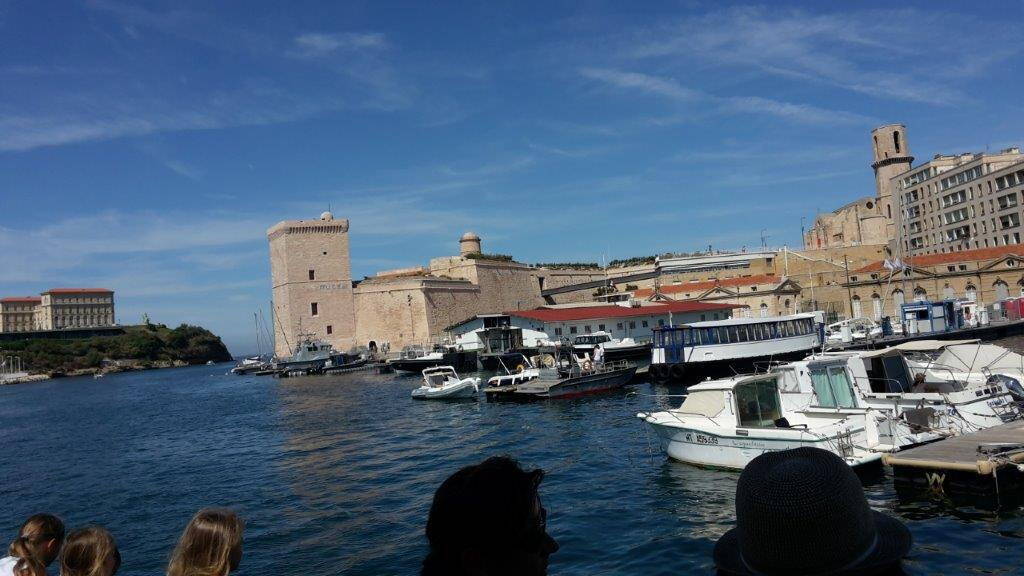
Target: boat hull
x,y
463,390
511,359
577,386
459,360
693,372
706,449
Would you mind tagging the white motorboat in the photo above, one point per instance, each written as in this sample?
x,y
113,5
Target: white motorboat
x,y
443,382
944,400
728,422
857,328
967,361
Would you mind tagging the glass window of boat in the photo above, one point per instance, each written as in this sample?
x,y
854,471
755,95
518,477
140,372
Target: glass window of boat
x,y
741,331
708,403
832,387
788,382
733,334
757,403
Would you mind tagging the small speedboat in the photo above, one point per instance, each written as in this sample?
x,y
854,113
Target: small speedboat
x,y
443,382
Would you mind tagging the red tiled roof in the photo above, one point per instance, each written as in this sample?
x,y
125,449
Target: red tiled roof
x,y
948,257
27,299
77,291
613,311
696,288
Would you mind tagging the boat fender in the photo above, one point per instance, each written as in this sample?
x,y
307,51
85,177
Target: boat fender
x,y
676,371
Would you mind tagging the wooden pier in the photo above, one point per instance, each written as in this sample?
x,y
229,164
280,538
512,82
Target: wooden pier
x,y
986,463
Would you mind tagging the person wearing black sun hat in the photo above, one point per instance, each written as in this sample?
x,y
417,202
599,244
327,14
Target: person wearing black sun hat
x,y
802,512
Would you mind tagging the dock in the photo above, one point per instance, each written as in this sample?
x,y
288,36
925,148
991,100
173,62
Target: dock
x,y
984,463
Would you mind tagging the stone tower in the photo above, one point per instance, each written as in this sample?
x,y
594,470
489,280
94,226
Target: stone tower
x,y
312,282
469,244
891,158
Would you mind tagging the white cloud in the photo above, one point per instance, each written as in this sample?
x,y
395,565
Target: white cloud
x,y
669,88
318,44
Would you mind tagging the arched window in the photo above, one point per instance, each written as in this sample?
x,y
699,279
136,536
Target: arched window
x,y
897,302
971,293
855,311
1001,289
896,140
947,292
764,310
786,306
876,306
920,294
1020,287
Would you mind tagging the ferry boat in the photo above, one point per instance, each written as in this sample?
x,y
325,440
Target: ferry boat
x,y
716,348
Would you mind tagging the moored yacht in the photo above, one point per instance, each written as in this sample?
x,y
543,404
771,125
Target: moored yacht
x,y
309,356
443,383
416,358
718,348
728,422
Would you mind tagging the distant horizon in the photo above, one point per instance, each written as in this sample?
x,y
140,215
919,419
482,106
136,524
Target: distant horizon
x,y
151,147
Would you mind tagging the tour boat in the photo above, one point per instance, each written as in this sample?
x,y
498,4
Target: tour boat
x,y
508,383
716,348
726,423
582,380
443,382
614,349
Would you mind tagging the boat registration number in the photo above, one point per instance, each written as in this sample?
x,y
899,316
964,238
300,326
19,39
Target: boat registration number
x,y
702,439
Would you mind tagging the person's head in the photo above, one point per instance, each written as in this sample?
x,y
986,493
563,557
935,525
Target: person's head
x,y
919,378
803,511
487,520
37,545
210,546
90,551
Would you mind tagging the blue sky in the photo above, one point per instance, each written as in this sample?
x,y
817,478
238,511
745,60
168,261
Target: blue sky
x,y
146,147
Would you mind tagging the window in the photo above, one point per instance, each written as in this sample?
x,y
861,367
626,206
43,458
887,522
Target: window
x,y
661,321
632,325
856,312
832,387
1002,290
586,329
312,275
972,293
757,403
600,327
330,329
876,306
558,331
764,310
619,326
314,309
572,329
896,141
644,323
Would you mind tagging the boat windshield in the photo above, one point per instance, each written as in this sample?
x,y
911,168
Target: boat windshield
x,y
598,339
757,403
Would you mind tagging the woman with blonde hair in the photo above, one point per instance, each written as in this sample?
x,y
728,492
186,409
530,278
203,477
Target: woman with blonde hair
x,y
35,548
210,546
90,551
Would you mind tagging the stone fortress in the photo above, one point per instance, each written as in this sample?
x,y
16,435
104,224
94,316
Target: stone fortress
x,y
314,293
963,212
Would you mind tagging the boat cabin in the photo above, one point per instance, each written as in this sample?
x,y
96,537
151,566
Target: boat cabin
x,y
922,317
590,340
412,352
437,377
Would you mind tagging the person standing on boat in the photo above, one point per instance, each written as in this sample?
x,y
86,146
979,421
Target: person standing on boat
x,y
599,354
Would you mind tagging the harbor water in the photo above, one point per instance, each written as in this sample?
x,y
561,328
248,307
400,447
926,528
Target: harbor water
x,y
334,475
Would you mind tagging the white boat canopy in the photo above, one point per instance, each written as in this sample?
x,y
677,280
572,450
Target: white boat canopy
x,y
917,346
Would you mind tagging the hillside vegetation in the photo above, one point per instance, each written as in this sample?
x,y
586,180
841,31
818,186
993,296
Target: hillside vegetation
x,y
145,346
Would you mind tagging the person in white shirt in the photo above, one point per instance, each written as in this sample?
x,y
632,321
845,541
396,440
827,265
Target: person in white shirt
x,y
599,354
36,547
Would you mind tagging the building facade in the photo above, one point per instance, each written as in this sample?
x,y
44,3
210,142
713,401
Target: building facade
x,y
962,202
58,309
760,295
984,275
19,314
859,222
311,282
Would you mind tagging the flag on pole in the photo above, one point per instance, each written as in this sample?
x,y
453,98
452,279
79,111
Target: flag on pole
x,y
895,264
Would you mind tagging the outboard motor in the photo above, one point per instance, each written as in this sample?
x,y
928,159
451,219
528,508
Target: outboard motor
x,y
1012,385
